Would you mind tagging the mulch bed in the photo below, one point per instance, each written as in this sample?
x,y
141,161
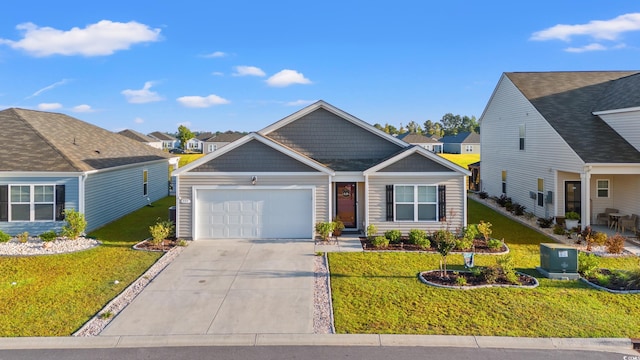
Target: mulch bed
x,y
165,245
614,283
435,277
479,246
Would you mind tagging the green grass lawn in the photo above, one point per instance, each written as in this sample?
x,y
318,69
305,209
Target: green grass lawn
x,y
55,295
462,159
187,158
380,293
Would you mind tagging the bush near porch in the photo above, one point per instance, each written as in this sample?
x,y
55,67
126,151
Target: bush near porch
x,y
380,293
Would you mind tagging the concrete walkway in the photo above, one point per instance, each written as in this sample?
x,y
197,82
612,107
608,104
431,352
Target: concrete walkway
x,y
226,287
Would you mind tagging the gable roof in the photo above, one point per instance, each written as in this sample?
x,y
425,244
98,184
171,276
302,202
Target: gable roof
x,y
333,137
462,138
416,159
417,139
224,137
134,135
162,136
45,141
204,136
567,101
622,94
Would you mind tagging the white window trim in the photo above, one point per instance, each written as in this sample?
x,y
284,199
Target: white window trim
x,y
608,188
145,183
32,203
415,203
468,148
212,147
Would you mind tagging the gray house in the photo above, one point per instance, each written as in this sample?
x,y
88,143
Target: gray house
x,y
215,142
312,166
134,135
168,141
461,143
51,162
426,142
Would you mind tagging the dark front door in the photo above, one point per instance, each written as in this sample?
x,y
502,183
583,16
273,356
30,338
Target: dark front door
x,y
572,195
346,204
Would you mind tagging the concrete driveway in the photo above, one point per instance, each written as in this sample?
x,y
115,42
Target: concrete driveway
x,y
227,287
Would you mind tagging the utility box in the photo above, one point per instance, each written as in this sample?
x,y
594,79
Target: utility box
x,y
172,214
559,261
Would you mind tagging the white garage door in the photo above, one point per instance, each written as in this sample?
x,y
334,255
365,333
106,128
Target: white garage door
x,y
254,213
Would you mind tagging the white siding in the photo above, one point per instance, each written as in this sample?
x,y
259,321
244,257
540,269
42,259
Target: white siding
x,y
377,202
545,151
187,182
625,124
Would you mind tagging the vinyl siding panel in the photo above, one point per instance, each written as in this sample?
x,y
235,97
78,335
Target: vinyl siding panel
x,y
38,227
545,151
110,195
184,210
626,124
455,202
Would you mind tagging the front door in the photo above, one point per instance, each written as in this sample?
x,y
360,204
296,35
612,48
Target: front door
x,y
346,204
572,196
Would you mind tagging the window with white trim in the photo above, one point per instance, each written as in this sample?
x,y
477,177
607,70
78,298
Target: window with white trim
x,y
145,182
416,202
522,136
602,188
540,195
31,203
212,147
469,148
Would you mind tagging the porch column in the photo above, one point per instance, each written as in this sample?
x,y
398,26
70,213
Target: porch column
x,y
330,200
585,182
366,203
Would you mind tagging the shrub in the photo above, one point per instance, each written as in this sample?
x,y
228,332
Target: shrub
x,y
602,279
182,242
633,279
572,215
160,231
48,235
483,194
393,236
615,244
495,244
507,266
588,264
325,229
372,230
24,237
503,200
545,223
490,274
471,232
559,229
4,237
419,237
485,229
76,224
463,243
380,242
508,206
593,237
518,209
461,281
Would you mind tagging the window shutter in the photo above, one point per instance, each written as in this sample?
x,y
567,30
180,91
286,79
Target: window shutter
x,y
442,202
4,202
60,202
389,202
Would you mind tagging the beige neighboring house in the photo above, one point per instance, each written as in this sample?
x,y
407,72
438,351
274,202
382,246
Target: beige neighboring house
x,y
564,141
217,141
134,135
426,142
168,142
313,165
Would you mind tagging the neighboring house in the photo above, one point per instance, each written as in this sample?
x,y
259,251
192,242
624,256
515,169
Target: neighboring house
x,y
564,141
310,167
51,162
215,142
426,142
168,141
196,144
134,135
462,143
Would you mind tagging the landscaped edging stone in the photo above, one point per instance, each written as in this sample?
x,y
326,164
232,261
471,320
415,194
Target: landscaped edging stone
x,y
36,247
594,285
470,287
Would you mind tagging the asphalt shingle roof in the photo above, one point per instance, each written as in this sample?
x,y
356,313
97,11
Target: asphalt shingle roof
x,y
417,139
162,136
134,135
225,137
567,100
45,141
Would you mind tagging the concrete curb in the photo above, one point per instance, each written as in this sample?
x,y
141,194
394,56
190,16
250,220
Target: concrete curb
x,y
616,345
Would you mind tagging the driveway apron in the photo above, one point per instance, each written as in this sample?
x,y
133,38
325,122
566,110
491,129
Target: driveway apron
x,y
235,286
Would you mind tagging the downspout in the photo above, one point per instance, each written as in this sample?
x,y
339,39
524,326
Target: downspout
x,y
82,179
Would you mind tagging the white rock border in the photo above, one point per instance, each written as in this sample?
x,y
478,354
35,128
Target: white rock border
x,y
36,247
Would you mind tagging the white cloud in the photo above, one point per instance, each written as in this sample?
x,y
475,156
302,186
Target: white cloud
x,y
597,29
142,96
202,101
138,120
248,71
84,108
299,102
590,47
287,77
102,38
47,88
49,106
217,73
216,54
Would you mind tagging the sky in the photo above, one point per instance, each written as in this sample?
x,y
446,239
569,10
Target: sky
x,y
243,65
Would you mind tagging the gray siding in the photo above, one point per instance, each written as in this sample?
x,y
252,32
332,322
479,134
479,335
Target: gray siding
x,y
184,210
415,163
110,195
329,139
455,202
253,156
38,227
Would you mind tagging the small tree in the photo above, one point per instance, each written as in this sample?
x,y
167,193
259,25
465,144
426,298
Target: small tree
x,y
485,229
184,135
76,224
445,241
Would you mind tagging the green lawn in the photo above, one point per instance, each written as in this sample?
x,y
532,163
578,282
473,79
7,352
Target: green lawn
x,y
380,293
462,159
187,158
56,294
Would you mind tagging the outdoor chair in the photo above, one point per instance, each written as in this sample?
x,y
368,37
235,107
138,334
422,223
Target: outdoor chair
x,y
628,222
604,216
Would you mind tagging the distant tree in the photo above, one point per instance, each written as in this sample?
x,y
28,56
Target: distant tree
x,y
390,129
184,135
378,126
414,128
454,124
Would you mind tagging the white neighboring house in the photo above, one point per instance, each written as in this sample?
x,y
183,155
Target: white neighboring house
x,y
217,141
564,141
168,142
426,142
134,135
